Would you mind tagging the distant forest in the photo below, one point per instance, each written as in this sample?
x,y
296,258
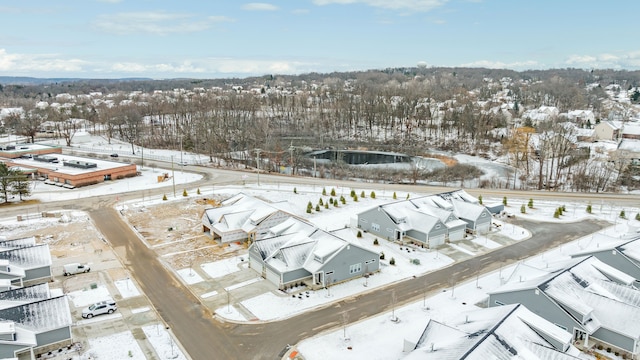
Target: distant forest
x,y
411,110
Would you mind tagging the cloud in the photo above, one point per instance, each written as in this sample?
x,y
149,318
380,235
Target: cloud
x,y
259,7
411,5
29,63
185,67
158,23
300,11
630,60
518,65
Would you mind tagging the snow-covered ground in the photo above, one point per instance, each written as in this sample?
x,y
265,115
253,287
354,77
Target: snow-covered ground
x,y
362,337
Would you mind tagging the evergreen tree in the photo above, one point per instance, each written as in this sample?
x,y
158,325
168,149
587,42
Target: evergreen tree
x,y
589,208
523,209
504,201
394,195
373,194
480,199
530,204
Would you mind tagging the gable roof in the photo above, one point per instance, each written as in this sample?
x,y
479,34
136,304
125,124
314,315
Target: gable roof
x,y
592,290
504,332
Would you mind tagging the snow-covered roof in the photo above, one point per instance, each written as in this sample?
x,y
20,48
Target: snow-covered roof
x,y
28,257
587,287
505,332
629,145
40,316
13,297
240,212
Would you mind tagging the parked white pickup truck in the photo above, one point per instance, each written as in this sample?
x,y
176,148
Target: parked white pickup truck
x,y
75,268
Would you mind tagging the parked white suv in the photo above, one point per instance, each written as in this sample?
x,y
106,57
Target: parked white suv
x,y
99,308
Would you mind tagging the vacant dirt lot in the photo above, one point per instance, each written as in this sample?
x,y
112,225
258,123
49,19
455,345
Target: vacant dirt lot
x,y
173,229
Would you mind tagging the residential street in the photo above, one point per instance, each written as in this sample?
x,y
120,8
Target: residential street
x,y
202,336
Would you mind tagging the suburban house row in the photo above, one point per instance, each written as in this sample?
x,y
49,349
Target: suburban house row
x,y
429,220
285,249
33,318
594,296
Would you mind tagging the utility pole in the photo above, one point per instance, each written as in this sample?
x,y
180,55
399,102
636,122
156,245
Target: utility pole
x,y
291,148
258,164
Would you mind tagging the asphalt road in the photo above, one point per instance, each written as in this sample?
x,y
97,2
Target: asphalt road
x,y
206,338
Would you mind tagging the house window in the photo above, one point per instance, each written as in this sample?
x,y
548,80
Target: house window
x,y
363,220
483,214
375,227
499,303
438,226
355,268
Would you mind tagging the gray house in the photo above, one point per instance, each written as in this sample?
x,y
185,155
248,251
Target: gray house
x,y
429,220
23,261
32,321
506,332
624,256
403,221
242,218
301,253
585,296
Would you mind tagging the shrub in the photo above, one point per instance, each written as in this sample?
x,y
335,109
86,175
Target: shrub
x,y
560,210
320,202
335,203
309,205
308,210
622,214
352,193
381,255
326,205
530,204
394,195
333,192
564,208
342,199
198,191
164,197
359,234
318,208
355,198
504,201
407,196
362,194
295,190
392,261
184,192
589,208
373,194
324,191
480,199
331,201
638,216
375,241
523,209
556,214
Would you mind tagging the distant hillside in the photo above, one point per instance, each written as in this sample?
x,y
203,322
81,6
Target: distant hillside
x,y
24,80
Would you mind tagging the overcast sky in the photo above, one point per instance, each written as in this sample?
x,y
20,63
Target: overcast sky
x,y
224,38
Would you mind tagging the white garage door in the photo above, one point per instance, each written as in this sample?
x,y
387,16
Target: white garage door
x,y
273,277
256,265
457,235
483,228
436,241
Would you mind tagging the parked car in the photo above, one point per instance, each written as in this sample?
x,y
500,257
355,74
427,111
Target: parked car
x,y
75,268
99,308
114,155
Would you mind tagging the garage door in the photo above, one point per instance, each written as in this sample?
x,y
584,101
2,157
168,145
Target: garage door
x,y
457,235
483,228
436,241
256,265
273,277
